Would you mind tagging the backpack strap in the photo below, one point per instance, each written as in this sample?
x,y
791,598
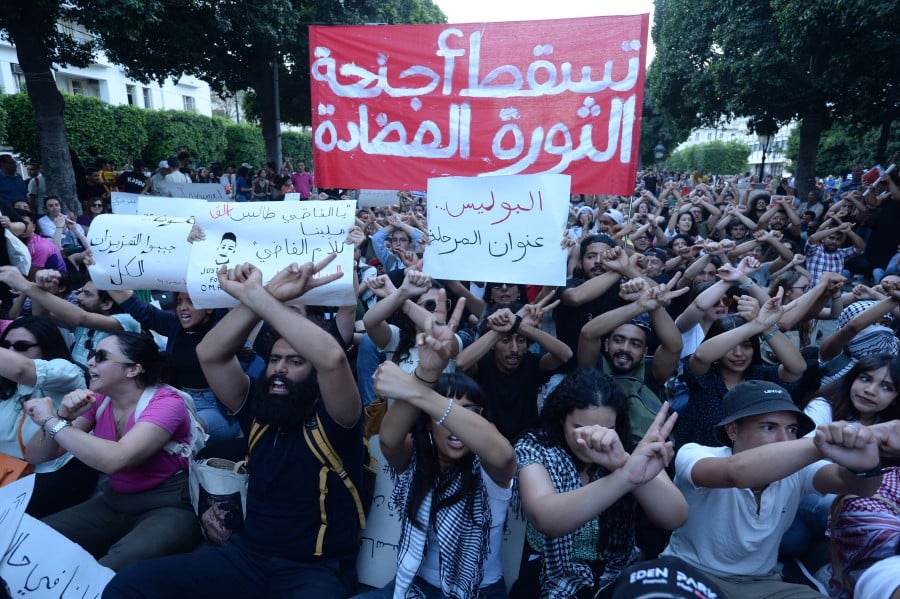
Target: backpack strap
x,y
318,443
257,430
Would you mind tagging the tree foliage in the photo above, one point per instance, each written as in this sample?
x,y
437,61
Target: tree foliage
x,y
244,144
298,146
720,157
774,61
96,129
842,146
235,45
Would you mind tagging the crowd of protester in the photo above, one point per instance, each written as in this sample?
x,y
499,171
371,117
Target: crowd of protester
x,y
716,389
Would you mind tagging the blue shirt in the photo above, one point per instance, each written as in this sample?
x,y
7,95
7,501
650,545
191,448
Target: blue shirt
x,y
12,187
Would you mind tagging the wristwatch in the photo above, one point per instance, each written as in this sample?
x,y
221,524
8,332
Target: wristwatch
x,y
58,427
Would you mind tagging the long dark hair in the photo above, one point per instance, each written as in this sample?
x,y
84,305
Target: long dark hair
x,y
48,337
730,322
428,474
837,393
581,389
141,349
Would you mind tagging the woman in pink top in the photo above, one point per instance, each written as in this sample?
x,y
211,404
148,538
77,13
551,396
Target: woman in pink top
x,y
144,509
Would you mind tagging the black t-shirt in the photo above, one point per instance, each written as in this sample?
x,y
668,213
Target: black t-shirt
x,y
511,398
570,319
283,517
131,182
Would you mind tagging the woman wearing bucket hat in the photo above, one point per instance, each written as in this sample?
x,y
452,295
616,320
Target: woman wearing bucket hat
x,y
744,494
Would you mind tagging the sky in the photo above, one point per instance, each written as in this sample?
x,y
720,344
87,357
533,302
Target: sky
x,y
474,11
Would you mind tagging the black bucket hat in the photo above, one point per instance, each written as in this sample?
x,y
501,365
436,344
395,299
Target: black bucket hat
x,y
752,398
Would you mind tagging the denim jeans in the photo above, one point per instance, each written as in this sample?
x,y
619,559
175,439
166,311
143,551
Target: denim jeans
x,y
219,425
368,359
808,526
231,571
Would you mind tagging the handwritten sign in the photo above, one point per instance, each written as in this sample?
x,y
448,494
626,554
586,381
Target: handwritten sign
x,y
124,203
378,197
272,235
394,106
14,498
161,206
379,543
505,229
211,192
42,564
139,252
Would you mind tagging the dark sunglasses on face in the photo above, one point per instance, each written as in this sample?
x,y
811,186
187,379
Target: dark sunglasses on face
x,y
431,305
101,355
18,346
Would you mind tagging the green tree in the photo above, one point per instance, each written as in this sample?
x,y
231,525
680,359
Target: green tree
x,y
170,131
245,144
40,45
842,146
774,61
260,47
720,157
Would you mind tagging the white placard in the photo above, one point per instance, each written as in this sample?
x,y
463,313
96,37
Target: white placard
x,y
506,229
272,235
139,252
292,197
378,197
379,543
14,498
124,203
43,564
162,206
211,192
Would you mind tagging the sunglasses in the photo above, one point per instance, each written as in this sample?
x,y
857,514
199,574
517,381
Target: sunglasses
x,y
398,239
18,346
431,305
101,355
98,205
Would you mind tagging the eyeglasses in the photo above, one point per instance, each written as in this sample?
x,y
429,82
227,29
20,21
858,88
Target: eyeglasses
x,y
431,305
18,346
398,239
101,355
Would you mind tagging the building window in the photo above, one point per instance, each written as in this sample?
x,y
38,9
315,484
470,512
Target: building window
x,y
709,136
18,77
189,105
148,99
86,87
130,93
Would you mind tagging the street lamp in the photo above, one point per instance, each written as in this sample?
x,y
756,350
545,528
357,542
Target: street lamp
x,y
765,139
659,152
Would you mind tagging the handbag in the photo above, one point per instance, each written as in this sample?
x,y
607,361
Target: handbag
x,y
12,469
19,256
219,495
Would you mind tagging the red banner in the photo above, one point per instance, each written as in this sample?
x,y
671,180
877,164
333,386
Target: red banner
x,y
395,105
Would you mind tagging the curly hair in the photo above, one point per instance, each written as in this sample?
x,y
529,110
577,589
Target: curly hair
x,y
582,389
428,474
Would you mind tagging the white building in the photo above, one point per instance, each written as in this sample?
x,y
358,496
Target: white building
x,y
737,130
107,81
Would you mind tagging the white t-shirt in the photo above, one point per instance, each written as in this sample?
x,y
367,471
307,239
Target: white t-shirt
x,y
177,177
409,363
498,499
724,534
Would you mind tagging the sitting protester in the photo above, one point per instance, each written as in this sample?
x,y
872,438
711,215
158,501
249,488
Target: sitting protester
x,y
144,509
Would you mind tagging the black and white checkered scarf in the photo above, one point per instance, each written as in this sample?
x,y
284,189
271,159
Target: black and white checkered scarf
x,y
562,576
463,539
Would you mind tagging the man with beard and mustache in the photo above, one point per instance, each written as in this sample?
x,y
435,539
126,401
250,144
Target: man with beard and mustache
x,y
595,287
296,540
625,346
501,363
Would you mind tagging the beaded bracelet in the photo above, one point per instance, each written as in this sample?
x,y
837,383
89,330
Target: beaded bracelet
x,y
446,412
